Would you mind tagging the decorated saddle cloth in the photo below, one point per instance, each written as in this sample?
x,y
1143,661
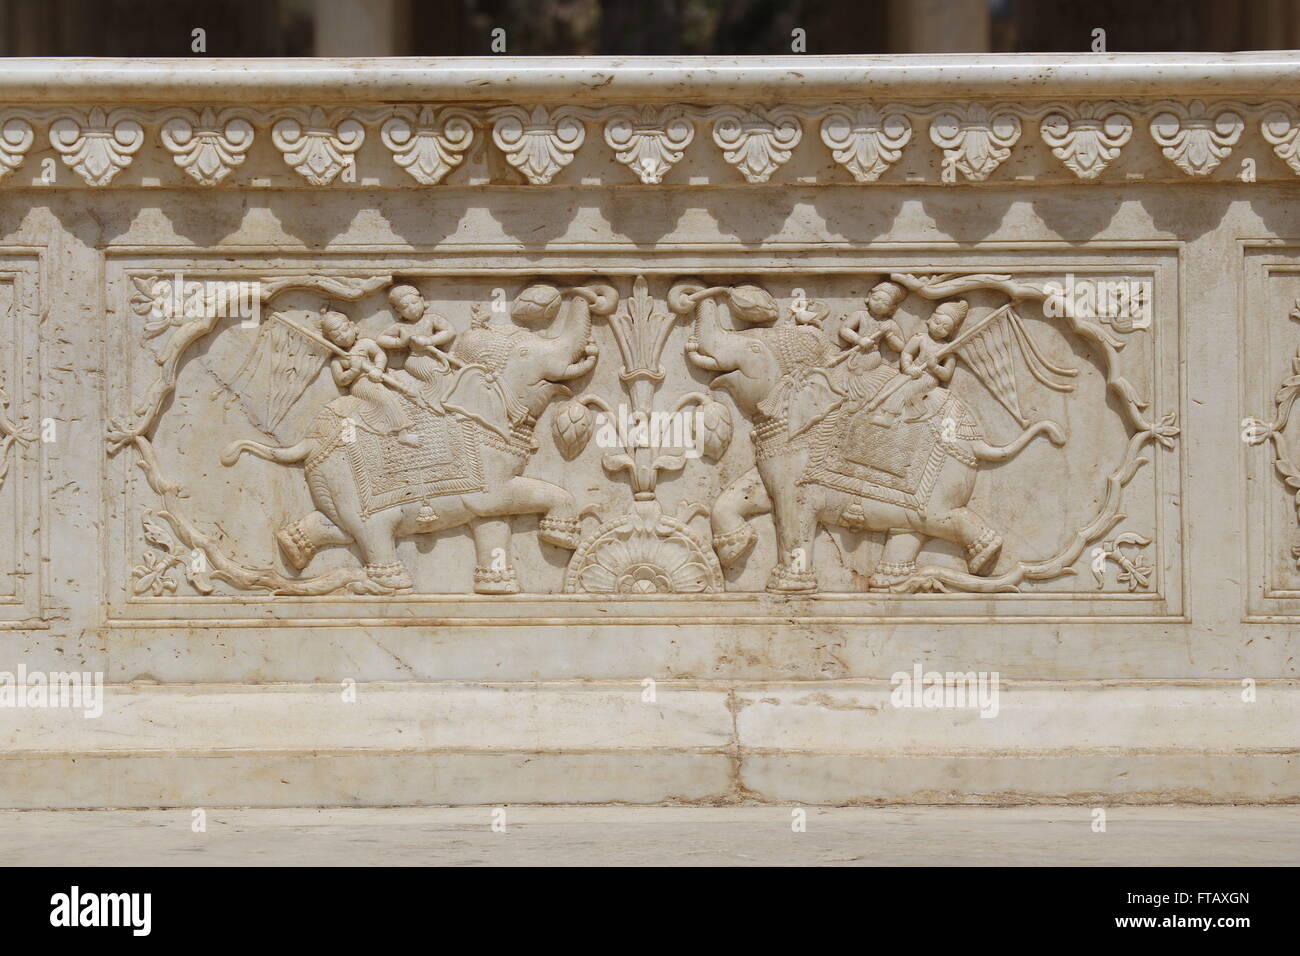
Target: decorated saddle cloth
x,y
898,462
445,460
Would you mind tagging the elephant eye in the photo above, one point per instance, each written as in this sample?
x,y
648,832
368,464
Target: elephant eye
x,y
523,350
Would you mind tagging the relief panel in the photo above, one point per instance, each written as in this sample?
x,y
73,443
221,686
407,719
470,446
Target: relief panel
x,y
855,434
1270,317
23,503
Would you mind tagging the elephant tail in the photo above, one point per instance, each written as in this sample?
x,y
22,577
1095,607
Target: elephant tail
x,y
292,455
986,452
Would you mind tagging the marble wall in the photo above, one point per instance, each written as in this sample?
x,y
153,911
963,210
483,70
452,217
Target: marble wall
x,y
579,431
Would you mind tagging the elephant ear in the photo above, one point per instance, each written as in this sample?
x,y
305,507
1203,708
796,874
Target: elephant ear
x,y
475,394
812,400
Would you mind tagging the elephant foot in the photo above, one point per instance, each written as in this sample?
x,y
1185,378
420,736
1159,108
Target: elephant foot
x,y
983,552
890,573
297,548
730,545
561,532
786,580
393,576
493,581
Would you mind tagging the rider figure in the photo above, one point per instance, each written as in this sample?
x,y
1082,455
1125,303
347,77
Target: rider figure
x,y
866,331
421,332
361,372
924,359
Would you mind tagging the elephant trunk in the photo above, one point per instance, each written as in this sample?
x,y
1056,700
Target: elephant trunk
x,y
574,333
707,333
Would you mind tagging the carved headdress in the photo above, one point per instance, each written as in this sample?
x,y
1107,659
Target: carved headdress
x,y
484,344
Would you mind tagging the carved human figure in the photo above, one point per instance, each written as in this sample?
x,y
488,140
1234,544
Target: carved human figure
x,y
927,361
421,333
819,462
361,372
867,331
468,470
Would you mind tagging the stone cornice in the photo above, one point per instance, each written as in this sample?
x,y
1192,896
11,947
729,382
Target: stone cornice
x,y
618,80
411,123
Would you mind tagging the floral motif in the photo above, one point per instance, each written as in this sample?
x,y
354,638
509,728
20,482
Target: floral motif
x,y
97,145
428,146
11,433
572,426
641,333
643,553
16,138
755,142
1193,140
649,141
1256,432
316,147
1282,131
1088,139
154,574
1132,569
863,141
207,145
538,144
975,140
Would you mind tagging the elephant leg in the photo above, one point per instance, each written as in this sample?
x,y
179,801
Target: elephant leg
x,y
795,527
522,496
300,540
377,541
964,527
898,560
732,534
493,572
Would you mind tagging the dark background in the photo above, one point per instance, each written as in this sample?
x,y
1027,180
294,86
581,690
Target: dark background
x,y
162,28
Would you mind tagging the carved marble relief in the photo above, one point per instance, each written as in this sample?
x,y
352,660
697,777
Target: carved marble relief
x,y
1270,425
867,142
874,433
23,431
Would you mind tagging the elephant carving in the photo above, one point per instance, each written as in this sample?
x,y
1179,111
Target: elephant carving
x,y
844,439
405,454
